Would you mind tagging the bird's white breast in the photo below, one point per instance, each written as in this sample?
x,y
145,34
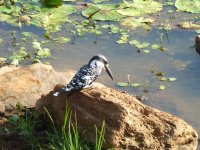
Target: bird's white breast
x,y
98,65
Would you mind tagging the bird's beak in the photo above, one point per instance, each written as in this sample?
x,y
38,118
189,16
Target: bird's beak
x,y
109,72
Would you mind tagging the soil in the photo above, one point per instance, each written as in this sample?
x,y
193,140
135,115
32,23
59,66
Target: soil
x,y
9,138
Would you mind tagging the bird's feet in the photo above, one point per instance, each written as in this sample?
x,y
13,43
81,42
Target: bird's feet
x,y
141,97
56,94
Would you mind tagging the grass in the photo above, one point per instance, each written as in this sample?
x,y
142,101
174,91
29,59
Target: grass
x,y
54,138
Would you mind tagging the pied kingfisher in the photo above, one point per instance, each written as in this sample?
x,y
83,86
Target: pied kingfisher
x,y
87,74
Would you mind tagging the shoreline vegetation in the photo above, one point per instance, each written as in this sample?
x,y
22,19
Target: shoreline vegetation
x,y
25,124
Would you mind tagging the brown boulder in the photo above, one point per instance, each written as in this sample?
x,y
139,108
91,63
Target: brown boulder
x,y
27,84
129,123
197,44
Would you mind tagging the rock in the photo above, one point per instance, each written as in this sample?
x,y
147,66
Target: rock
x,y
197,44
26,85
130,124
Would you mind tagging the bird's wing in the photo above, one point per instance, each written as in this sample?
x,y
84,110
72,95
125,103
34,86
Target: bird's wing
x,y
84,77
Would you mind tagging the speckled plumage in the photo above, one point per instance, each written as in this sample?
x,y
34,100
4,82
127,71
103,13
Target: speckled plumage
x,y
85,75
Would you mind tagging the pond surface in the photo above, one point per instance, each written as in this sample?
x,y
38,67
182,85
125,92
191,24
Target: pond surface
x,y
179,60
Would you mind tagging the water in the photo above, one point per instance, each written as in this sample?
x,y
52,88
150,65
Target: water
x,y
180,60
180,98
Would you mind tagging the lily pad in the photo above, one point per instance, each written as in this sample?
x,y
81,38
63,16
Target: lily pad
x,y
18,56
122,84
99,1
114,29
69,0
102,12
36,45
26,34
135,85
169,3
146,51
161,87
63,40
163,78
139,45
139,7
123,39
43,53
156,46
52,2
52,18
1,40
171,79
133,23
188,5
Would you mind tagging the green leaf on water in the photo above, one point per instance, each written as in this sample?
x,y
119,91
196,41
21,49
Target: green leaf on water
x,y
103,12
146,51
122,84
63,40
51,19
135,85
158,47
69,0
37,45
114,29
52,2
188,5
26,34
155,46
133,23
139,7
1,40
161,87
43,53
172,79
169,3
99,1
163,78
123,39
18,56
105,26
139,45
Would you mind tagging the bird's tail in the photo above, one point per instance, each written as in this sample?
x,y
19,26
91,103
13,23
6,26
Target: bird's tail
x,y
60,91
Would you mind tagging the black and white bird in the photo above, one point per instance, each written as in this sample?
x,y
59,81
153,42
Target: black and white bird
x,y
87,74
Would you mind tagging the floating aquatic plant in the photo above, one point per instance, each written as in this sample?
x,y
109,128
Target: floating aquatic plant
x,y
139,7
103,12
52,2
122,84
139,45
188,5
